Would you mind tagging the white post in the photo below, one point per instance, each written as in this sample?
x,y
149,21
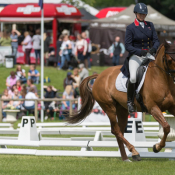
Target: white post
x,y
2,26
42,63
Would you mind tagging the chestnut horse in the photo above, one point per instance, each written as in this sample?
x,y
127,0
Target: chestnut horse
x,y
158,94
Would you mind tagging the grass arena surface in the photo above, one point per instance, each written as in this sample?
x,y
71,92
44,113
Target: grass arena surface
x,y
33,165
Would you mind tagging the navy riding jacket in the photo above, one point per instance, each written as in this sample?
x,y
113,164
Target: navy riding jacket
x,y
137,39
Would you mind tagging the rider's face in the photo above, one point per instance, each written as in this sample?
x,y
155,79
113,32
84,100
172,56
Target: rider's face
x,y
141,17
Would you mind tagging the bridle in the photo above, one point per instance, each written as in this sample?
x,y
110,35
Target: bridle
x,y
169,71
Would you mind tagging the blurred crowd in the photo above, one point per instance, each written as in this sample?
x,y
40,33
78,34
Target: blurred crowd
x,y
71,50
22,85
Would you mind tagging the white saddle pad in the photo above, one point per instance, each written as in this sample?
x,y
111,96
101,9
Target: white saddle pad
x,y
121,80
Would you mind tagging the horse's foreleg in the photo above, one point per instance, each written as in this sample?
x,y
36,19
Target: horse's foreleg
x,y
157,114
115,129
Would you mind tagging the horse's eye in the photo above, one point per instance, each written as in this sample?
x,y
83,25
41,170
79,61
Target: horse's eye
x,y
169,61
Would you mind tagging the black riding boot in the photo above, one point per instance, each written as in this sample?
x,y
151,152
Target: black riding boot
x,y
131,95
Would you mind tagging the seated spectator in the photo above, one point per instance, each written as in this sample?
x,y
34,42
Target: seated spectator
x,y
23,91
34,74
18,85
76,85
31,85
21,74
69,80
11,80
67,94
83,72
50,93
6,102
11,90
30,105
91,83
16,95
52,60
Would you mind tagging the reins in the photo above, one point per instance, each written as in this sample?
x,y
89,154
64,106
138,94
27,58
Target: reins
x,y
168,71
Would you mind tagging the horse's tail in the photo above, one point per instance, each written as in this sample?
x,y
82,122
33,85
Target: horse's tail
x,y
87,101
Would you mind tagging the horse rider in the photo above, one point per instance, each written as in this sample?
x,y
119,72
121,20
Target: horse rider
x,y
140,39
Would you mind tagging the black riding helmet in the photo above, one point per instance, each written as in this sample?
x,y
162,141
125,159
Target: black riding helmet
x,y
141,8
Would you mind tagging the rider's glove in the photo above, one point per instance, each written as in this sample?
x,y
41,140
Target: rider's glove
x,y
152,51
143,53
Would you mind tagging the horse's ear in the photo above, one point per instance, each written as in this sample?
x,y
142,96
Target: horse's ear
x,y
166,44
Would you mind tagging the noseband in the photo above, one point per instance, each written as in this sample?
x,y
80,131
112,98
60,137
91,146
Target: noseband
x,y
168,70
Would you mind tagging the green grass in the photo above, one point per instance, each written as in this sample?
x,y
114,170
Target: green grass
x,y
56,76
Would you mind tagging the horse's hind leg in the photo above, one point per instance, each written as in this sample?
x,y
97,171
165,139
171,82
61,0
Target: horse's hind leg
x,y
110,110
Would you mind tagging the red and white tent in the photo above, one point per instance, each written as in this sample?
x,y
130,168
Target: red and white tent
x,y
110,11
30,13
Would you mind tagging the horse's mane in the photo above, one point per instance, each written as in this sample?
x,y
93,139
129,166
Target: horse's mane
x,y
159,49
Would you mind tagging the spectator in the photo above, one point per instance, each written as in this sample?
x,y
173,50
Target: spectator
x,y
27,43
76,85
14,43
24,90
52,60
6,102
89,50
5,39
65,50
21,74
18,85
59,43
30,105
69,80
50,93
46,45
37,45
34,74
83,72
21,37
11,90
80,48
16,104
67,94
72,40
91,83
117,50
11,80
31,85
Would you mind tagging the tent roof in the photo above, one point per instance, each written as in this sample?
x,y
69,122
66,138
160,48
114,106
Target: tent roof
x,y
127,16
90,9
33,10
85,14
109,11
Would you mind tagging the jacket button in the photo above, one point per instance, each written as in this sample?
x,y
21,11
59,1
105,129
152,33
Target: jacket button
x,y
148,38
142,39
148,46
142,47
148,42
142,43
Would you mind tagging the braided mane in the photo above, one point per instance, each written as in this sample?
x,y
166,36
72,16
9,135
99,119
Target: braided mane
x,y
159,49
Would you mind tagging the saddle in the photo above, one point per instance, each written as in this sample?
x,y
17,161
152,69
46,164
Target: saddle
x,y
140,72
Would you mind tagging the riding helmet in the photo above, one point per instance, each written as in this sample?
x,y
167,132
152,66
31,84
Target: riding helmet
x,y
141,8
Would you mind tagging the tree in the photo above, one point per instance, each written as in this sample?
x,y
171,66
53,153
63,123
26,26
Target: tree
x,y
78,4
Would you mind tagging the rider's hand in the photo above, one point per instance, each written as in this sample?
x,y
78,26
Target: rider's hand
x,y
143,53
152,51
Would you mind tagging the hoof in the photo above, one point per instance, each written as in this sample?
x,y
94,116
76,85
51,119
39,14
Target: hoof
x,y
136,157
154,149
127,160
